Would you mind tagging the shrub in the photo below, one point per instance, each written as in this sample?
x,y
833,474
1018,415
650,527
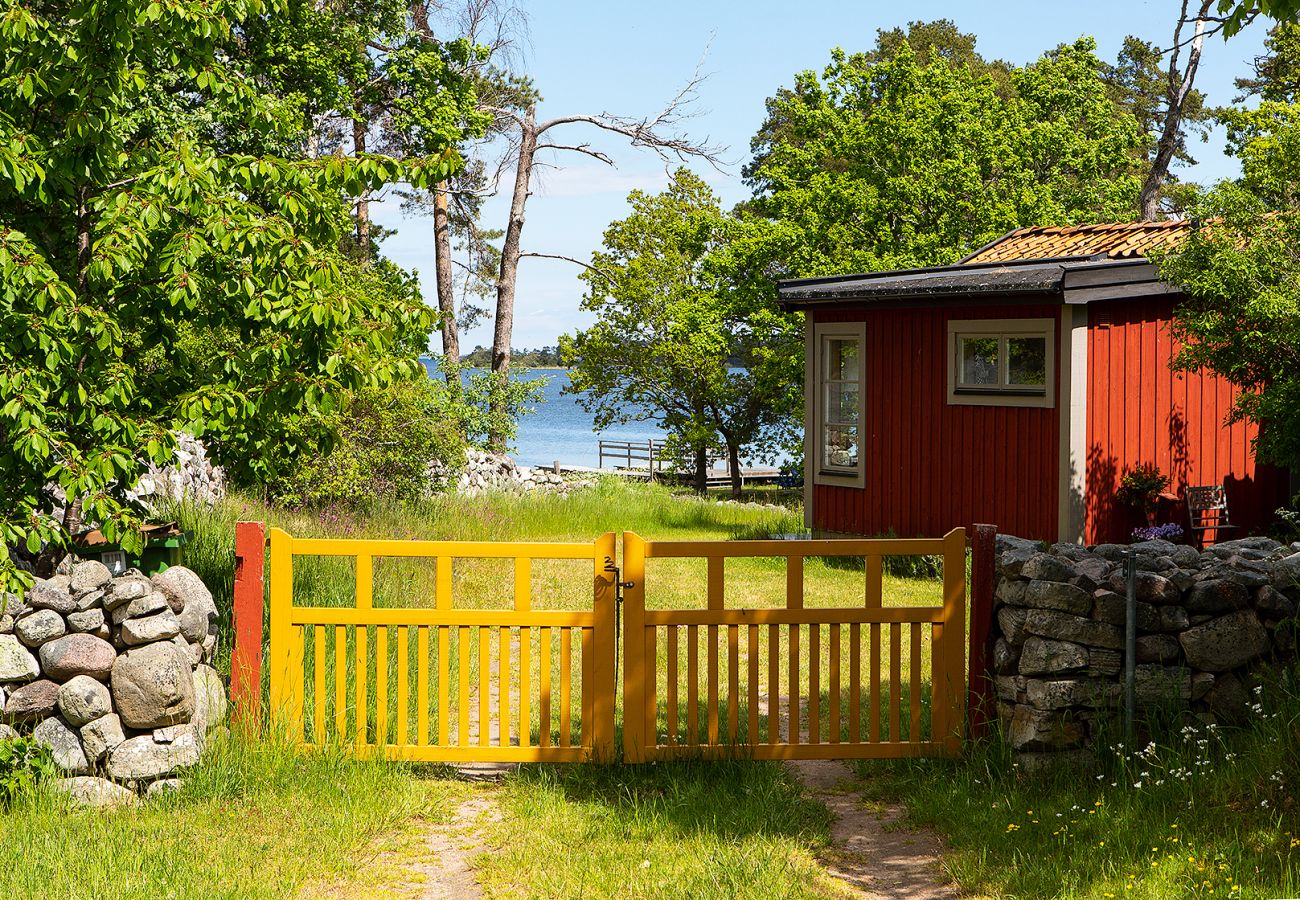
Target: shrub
x,y
387,441
23,765
1141,487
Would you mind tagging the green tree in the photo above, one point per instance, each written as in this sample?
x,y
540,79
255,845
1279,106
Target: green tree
x,y
680,292
152,277
899,162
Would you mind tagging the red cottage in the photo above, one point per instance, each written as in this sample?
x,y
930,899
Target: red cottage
x,y
1015,387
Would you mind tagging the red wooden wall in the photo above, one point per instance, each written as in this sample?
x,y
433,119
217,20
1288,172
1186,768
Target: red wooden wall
x,y
1139,411
931,467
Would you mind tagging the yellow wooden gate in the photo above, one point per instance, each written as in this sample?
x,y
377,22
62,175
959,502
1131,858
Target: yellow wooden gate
x,y
351,674
788,722
446,682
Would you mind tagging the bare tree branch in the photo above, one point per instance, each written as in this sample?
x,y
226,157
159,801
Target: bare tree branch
x,y
577,262
579,148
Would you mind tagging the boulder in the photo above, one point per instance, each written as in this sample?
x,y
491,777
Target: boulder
x,y
1046,567
162,786
1172,619
1201,684
7,732
210,703
1012,623
1157,685
16,661
140,606
1273,603
1225,643
190,599
97,793
1218,595
32,702
86,621
126,589
1158,648
82,699
1011,591
1047,657
1036,729
153,686
1228,699
91,600
43,595
1005,660
64,744
38,627
1062,694
1103,662
144,759
88,575
1056,595
77,654
1075,629
102,735
1286,572
161,626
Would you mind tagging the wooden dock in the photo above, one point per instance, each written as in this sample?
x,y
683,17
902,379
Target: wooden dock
x,y
647,461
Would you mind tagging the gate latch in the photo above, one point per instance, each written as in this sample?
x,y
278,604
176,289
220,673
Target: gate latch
x,y
619,584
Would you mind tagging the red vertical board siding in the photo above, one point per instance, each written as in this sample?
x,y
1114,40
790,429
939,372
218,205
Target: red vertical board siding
x,y
930,467
1140,411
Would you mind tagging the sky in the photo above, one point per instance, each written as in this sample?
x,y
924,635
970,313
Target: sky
x,y
630,59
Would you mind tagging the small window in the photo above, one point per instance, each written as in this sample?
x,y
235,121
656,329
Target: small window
x,y
1001,362
836,414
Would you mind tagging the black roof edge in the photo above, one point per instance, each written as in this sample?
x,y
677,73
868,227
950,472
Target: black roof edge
x,y
951,267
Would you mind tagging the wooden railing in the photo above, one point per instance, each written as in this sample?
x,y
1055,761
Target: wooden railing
x,y
788,723
409,713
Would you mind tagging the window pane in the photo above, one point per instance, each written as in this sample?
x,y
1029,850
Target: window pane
x,y
841,359
840,443
1027,361
842,404
979,360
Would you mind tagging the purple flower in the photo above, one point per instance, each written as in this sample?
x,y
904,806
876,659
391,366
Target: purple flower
x,y
1169,532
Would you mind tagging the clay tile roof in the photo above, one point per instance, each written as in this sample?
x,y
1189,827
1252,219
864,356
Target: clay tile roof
x,y
1120,240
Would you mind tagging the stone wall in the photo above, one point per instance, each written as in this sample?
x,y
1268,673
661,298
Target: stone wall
x,y
1205,620
485,471
114,675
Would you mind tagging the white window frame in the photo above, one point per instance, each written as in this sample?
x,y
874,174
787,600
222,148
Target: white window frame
x,y
815,406
1001,394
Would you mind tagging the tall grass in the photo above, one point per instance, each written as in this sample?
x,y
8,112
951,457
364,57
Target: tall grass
x,y
1200,811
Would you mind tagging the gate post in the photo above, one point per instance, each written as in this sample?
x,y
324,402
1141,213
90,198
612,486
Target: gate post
x,y
634,693
979,703
281,603
954,636
604,690
246,657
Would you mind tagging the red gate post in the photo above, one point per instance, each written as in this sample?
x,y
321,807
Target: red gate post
x,y
980,691
246,661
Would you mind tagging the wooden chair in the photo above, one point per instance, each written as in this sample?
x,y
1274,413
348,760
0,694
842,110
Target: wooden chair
x,y
1207,510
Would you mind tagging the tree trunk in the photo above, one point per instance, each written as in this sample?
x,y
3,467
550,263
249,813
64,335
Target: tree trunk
x,y
733,465
1180,85
446,290
363,201
502,334
701,470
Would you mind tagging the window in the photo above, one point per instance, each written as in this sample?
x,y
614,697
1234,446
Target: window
x,y
1001,362
836,414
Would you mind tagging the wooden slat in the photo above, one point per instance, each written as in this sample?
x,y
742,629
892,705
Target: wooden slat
x,y
773,684
874,733
403,684
914,688
814,684
793,688
671,685
462,686
875,565
794,582
651,711
712,675
833,722
484,686
716,575
422,687
341,683
588,684
751,650
442,574
297,669
474,549
788,549
855,683
566,682
810,616
503,687
895,677
692,686
733,685
381,686
444,686
544,673
494,618
938,684
360,676
318,693
525,687
365,581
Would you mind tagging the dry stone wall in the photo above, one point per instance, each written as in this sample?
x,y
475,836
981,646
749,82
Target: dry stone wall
x,y
114,675
1205,620
485,471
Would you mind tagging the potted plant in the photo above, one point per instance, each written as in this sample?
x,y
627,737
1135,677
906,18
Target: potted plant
x,y
1141,488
